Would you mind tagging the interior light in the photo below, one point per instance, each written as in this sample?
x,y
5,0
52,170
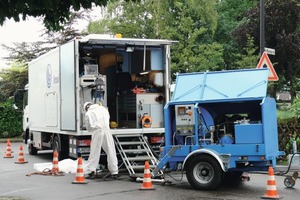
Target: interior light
x,y
144,73
129,49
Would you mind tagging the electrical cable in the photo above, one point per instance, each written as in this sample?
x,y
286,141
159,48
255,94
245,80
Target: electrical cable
x,y
178,180
289,166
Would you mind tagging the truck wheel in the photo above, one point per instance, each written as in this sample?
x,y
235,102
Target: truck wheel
x,y
57,145
204,172
31,149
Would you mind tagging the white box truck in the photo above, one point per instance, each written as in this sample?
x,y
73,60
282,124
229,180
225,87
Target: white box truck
x,y
131,77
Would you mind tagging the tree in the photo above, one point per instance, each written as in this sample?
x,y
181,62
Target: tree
x,y
10,120
24,52
231,14
68,32
55,12
13,78
249,58
131,19
282,34
191,22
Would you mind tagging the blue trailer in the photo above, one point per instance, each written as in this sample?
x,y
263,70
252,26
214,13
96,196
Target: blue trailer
x,y
220,124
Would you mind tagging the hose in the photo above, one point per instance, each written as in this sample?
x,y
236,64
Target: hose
x,y
47,172
288,169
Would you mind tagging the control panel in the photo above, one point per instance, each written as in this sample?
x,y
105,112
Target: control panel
x,y
184,119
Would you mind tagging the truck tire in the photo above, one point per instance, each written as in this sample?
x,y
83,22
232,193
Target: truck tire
x,y
57,145
204,172
31,149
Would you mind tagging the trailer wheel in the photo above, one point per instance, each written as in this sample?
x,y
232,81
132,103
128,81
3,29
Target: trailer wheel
x,y
204,172
31,149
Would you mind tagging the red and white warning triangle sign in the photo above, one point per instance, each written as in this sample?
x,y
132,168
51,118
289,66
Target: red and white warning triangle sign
x,y
265,62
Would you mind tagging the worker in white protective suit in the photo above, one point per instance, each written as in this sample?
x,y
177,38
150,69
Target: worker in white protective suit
x,y
97,123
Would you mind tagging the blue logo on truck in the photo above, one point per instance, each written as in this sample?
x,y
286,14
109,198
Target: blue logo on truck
x,y
49,76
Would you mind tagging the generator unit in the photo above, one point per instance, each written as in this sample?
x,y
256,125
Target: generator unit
x,y
220,126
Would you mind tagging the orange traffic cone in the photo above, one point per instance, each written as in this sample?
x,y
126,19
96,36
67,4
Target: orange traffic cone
x,y
8,150
79,174
271,192
21,159
55,162
147,182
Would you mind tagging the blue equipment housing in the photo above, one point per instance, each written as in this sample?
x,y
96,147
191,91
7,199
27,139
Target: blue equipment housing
x,y
225,115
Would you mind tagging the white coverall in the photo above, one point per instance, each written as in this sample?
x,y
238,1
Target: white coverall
x,y
97,123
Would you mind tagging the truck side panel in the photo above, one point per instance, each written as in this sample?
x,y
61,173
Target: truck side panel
x,y
44,97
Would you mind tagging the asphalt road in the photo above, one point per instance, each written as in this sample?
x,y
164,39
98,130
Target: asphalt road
x,y
15,185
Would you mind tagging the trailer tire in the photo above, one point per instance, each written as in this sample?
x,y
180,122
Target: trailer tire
x,y
204,172
31,149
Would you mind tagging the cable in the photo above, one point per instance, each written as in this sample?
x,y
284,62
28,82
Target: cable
x,y
178,180
288,169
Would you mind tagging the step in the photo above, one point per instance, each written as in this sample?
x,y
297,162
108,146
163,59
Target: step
x,y
131,143
127,136
142,166
140,158
136,150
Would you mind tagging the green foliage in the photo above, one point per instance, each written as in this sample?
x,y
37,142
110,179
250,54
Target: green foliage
x,y
284,116
289,144
14,78
54,12
207,57
24,52
10,120
282,19
295,109
248,59
192,23
231,15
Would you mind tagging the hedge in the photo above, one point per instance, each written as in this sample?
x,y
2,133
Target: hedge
x,y
10,120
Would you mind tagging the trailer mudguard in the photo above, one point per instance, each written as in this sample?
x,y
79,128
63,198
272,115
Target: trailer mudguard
x,y
223,159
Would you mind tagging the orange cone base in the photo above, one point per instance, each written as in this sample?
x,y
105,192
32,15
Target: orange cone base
x,y
147,188
22,162
79,182
268,197
7,156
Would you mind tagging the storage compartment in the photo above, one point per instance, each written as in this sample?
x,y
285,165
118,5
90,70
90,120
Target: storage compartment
x,y
248,133
132,108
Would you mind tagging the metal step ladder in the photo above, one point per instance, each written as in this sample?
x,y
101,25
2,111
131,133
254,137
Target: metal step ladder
x,y
134,151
